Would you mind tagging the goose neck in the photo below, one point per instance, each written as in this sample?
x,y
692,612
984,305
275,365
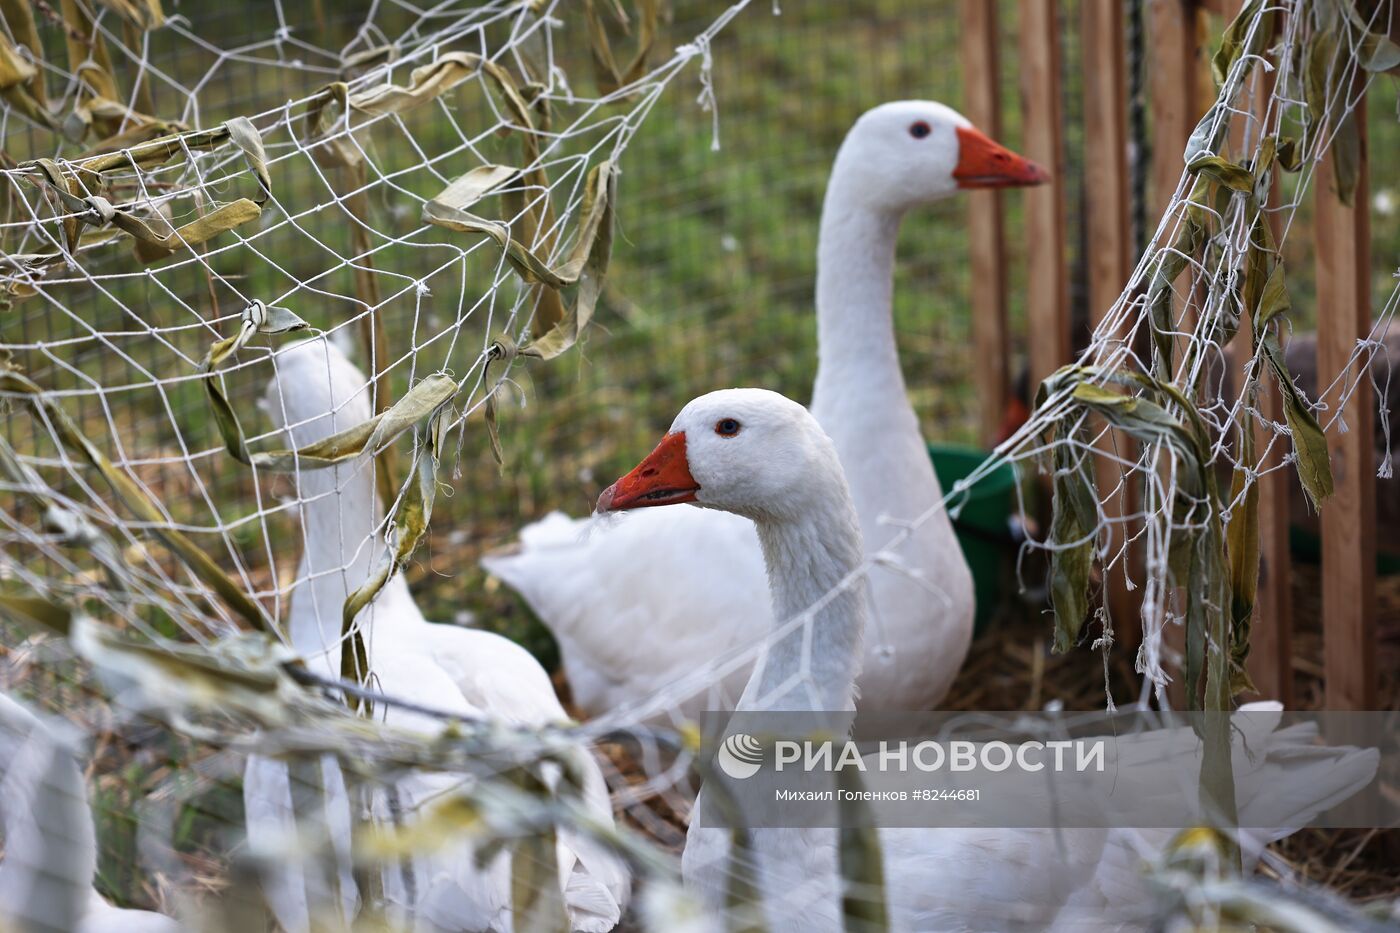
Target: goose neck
x,y
855,285
338,515
811,562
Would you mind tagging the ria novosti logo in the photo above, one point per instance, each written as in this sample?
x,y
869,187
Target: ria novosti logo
x,y
740,756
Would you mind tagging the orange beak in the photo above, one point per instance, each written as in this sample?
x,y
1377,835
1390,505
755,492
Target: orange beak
x,y
663,478
983,163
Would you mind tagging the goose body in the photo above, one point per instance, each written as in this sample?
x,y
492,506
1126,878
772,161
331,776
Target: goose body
x,y
50,844
636,606
762,457
318,391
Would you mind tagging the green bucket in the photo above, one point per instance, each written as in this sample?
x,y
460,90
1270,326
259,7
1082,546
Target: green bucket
x,y
986,507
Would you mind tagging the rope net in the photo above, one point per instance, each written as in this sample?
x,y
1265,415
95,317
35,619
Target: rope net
x,y
435,197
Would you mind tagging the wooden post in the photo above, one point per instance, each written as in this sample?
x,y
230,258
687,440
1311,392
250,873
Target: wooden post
x,y
1173,47
981,105
1270,662
1174,87
1348,518
1109,261
1047,297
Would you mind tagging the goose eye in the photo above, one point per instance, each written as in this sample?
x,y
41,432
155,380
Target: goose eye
x,y
727,427
919,130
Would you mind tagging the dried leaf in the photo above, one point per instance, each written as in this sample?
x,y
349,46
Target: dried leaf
x,y
1175,259
245,136
36,612
1375,51
15,71
1074,528
1259,261
331,117
94,210
1205,139
863,905
151,246
1235,42
1321,53
466,190
586,265
1346,157
157,151
411,515
145,14
610,76
1224,171
1242,550
1309,442
19,19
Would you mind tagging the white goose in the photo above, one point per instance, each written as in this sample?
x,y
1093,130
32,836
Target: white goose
x,y
634,607
50,844
317,391
761,457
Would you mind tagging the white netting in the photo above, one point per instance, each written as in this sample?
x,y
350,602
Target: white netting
x,y
147,255
446,297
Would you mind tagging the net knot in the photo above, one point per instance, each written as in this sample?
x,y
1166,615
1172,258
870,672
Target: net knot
x,y
707,101
99,210
255,314
253,318
503,349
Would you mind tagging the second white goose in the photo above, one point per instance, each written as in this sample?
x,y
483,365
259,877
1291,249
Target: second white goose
x,y
635,606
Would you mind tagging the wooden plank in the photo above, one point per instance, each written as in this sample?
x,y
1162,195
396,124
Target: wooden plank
x,y
1270,662
1047,269
1172,74
1173,47
1348,518
1109,265
986,244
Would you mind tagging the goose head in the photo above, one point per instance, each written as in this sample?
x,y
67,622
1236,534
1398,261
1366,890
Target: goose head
x,y
912,152
748,451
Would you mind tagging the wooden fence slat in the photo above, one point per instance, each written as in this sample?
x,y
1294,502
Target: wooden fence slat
x,y
986,245
1172,79
1270,662
1047,295
1109,261
1173,44
1348,518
